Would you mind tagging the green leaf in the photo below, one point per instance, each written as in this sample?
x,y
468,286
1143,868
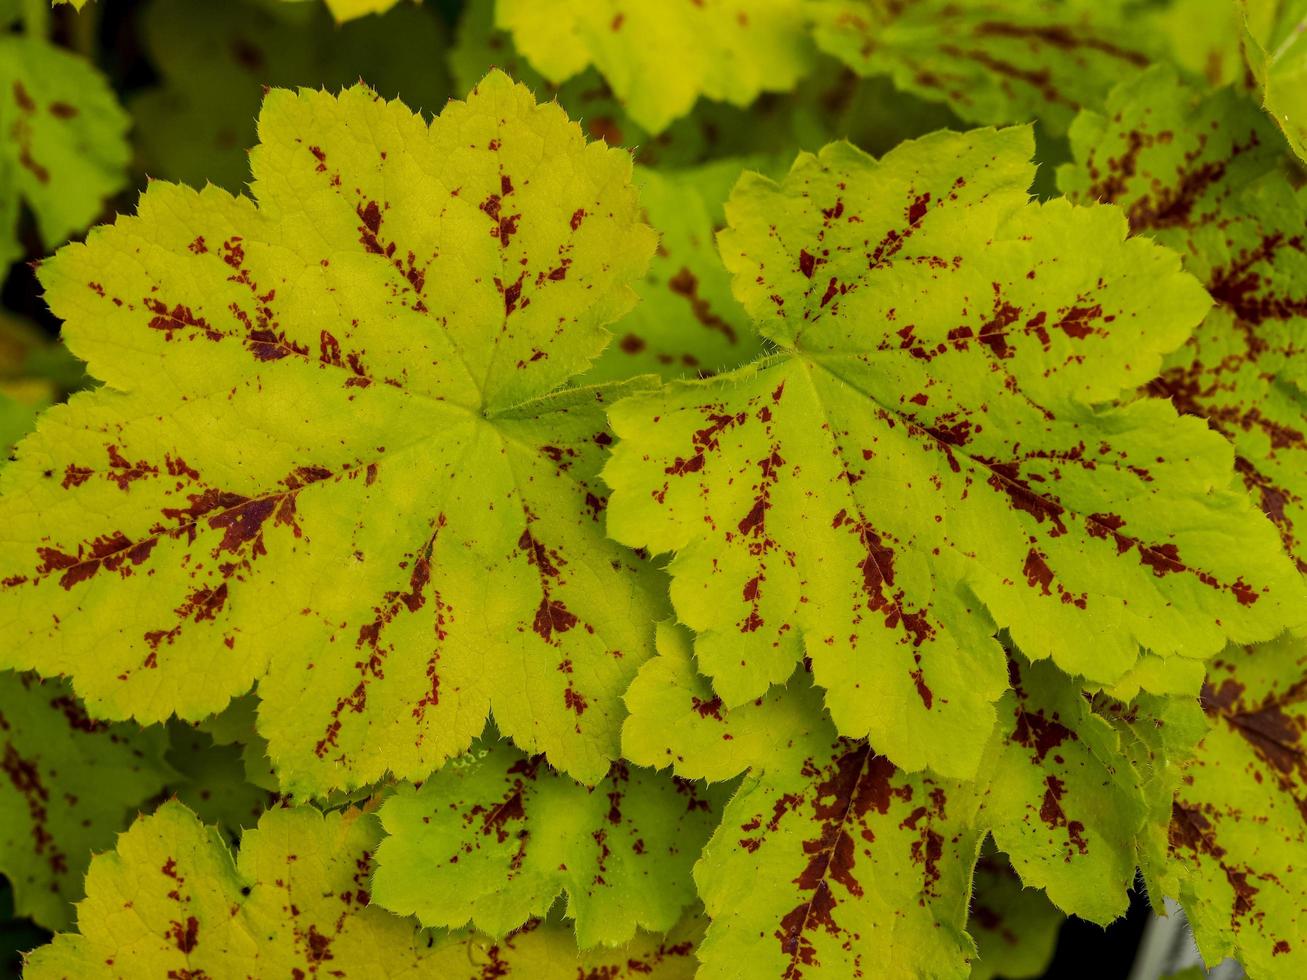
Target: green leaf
x,y
344,10
495,838
215,59
63,145
1015,928
1201,173
1078,792
1238,824
72,782
213,781
1275,46
318,465
921,460
294,902
828,859
659,61
687,323
991,61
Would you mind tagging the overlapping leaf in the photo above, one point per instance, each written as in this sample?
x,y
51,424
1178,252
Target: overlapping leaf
x,y
70,784
495,838
215,59
327,458
63,146
658,59
212,780
1015,928
1201,174
1239,817
295,902
838,860
992,61
687,323
921,460
1275,46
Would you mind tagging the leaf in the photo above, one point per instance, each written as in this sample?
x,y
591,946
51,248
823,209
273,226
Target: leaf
x,y
213,781
1057,787
1015,928
71,783
294,902
63,146
1238,822
921,461
354,486
1275,47
828,859
215,60
660,61
1200,173
495,838
991,61
687,323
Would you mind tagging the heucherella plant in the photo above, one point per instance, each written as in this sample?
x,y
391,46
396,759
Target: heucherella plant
x,y
618,525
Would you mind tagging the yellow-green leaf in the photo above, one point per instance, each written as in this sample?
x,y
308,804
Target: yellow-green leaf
x,y
327,457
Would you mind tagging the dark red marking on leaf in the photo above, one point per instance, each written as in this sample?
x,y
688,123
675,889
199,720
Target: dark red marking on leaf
x,y
185,937
685,284
1050,811
877,570
806,262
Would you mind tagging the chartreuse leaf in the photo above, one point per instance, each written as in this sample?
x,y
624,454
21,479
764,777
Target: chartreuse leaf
x,y
327,458
920,461
63,141
495,838
1200,173
1238,823
295,902
1015,928
829,860
71,783
1275,46
687,322
991,61
1053,788
344,10
658,59
215,59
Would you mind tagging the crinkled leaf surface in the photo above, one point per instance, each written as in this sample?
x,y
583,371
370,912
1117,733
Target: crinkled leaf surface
x,y
63,145
1275,46
992,61
1015,928
687,323
496,837
1239,817
1200,173
326,456
922,461
215,59
70,784
294,903
660,58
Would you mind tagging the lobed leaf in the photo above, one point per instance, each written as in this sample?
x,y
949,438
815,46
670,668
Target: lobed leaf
x,y
318,465
659,61
1238,823
845,860
1201,173
1015,928
991,61
923,461
496,838
71,783
294,902
63,146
